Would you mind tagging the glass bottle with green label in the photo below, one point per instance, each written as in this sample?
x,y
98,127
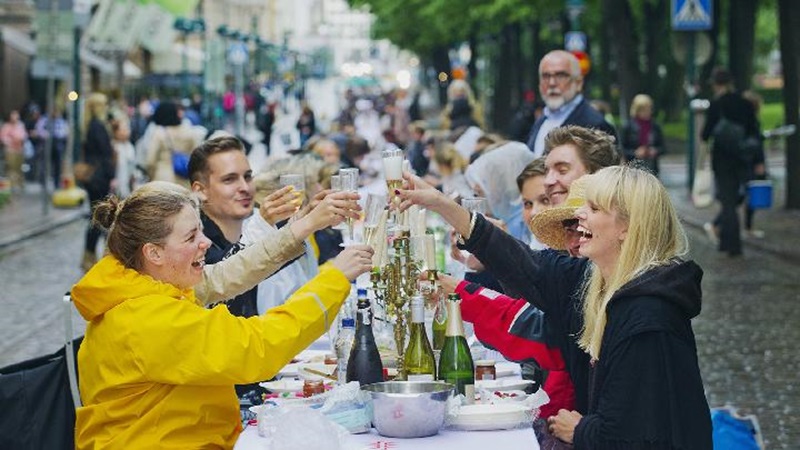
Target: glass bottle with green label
x,y
455,362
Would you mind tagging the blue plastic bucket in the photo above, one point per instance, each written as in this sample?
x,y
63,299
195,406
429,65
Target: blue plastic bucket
x,y
759,194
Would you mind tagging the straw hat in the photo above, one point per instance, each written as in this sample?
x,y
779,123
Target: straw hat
x,y
547,225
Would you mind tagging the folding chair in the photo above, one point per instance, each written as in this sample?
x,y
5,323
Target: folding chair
x,y
38,398
71,350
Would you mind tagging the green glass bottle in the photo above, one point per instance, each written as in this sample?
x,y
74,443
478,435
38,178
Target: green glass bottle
x,y
419,361
455,362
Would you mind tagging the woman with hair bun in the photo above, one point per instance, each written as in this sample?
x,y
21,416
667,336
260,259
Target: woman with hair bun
x,y
157,369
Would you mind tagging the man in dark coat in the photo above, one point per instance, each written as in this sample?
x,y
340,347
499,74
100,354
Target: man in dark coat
x,y
560,87
729,160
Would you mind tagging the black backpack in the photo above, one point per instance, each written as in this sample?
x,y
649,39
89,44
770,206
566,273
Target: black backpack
x,y
731,142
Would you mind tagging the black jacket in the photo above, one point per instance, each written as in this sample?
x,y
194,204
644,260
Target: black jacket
x,y
645,391
583,115
245,304
629,138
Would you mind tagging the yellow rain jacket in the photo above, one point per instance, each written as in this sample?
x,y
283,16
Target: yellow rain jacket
x,y
157,369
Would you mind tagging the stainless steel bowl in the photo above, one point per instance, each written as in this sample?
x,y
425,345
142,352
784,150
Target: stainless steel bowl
x,y
408,409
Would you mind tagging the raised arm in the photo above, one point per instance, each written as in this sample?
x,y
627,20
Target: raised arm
x,y
252,265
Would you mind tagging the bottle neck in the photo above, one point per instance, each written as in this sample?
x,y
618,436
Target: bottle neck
x,y
417,312
363,314
455,326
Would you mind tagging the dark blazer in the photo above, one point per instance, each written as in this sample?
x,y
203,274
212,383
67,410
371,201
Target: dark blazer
x,y
583,115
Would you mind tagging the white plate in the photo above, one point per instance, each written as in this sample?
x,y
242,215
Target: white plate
x,y
490,417
503,384
283,385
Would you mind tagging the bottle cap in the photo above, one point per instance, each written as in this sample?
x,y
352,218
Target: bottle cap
x,y
362,291
485,362
453,297
348,322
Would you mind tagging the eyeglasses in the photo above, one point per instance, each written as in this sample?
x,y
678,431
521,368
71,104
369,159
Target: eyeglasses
x,y
560,77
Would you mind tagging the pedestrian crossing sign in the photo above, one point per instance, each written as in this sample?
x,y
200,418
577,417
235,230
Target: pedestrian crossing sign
x,y
692,15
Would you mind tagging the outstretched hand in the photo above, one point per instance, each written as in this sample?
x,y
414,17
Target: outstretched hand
x,y
354,260
418,192
279,205
331,208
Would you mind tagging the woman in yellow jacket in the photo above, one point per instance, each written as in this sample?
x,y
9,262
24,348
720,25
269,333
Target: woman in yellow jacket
x,y
157,369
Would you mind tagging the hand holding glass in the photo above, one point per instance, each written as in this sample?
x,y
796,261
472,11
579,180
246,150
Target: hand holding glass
x,y
298,183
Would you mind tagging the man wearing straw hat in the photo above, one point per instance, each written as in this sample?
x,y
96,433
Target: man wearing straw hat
x,y
512,325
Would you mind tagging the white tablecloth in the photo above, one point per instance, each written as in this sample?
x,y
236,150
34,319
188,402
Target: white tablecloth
x,y
523,439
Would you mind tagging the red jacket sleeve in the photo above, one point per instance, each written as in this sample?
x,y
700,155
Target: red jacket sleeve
x,y
511,326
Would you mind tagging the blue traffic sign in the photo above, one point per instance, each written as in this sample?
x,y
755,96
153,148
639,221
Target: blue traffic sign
x,y
692,15
575,41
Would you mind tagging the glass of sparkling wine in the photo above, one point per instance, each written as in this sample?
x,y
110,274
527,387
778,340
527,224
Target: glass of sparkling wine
x,y
349,180
298,183
473,205
336,186
393,171
376,203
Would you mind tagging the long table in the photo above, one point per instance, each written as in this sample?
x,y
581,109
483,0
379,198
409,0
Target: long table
x,y
461,440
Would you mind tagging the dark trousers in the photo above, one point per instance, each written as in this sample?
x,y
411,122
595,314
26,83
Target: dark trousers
x,y
729,181
93,232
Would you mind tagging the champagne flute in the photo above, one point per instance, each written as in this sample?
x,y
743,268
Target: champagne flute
x,y
336,186
298,183
349,179
393,172
376,203
474,205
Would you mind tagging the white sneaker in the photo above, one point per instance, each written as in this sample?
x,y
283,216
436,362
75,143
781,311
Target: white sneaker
x,y
708,227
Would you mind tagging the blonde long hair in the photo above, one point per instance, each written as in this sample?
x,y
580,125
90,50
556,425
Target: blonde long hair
x,y
655,237
96,107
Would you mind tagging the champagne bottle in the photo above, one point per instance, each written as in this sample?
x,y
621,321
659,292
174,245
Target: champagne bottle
x,y
419,362
364,364
455,362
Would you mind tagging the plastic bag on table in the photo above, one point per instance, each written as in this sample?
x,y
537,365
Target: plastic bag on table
x,y
304,428
350,407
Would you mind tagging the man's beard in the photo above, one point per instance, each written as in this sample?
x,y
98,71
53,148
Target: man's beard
x,y
554,103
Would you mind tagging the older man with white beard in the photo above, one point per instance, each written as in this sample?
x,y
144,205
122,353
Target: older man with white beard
x,y
561,86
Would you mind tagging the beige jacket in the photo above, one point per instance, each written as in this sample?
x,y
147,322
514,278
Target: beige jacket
x,y
181,138
229,278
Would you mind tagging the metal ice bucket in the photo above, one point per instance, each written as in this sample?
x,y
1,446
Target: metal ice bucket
x,y
408,409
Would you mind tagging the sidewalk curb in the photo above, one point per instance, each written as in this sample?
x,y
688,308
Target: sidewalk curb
x,y
43,227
